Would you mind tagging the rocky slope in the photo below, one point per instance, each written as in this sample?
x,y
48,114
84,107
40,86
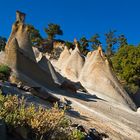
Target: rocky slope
x,y
106,105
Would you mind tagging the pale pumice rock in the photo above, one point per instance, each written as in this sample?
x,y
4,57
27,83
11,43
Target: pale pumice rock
x,y
63,58
37,53
74,65
24,63
20,32
97,75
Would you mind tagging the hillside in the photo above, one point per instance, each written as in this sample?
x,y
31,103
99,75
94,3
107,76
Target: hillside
x,y
97,98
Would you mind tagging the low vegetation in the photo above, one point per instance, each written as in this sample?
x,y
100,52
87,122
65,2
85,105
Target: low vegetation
x,y
4,72
39,123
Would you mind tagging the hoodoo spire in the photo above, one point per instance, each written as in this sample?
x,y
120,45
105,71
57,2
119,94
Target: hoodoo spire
x,y
20,32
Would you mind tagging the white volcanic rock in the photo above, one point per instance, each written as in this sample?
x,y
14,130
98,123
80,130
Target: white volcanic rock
x,y
63,58
97,75
74,65
37,53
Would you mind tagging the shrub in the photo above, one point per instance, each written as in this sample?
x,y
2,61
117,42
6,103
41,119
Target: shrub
x,y
40,122
4,72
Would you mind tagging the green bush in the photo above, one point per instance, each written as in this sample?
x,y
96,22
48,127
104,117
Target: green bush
x,y
39,122
4,72
126,63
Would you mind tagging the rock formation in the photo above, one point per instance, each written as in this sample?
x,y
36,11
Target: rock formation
x,y
47,66
94,73
20,57
20,17
11,53
22,64
97,75
63,58
20,32
37,53
74,64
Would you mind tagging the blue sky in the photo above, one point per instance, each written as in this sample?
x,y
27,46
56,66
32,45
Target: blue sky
x,y
77,17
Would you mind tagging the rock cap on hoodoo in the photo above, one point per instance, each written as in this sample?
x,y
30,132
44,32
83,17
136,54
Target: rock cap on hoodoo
x,y
20,17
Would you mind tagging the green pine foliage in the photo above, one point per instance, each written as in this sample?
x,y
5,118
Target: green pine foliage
x,y
111,40
35,36
126,63
53,30
83,45
95,42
